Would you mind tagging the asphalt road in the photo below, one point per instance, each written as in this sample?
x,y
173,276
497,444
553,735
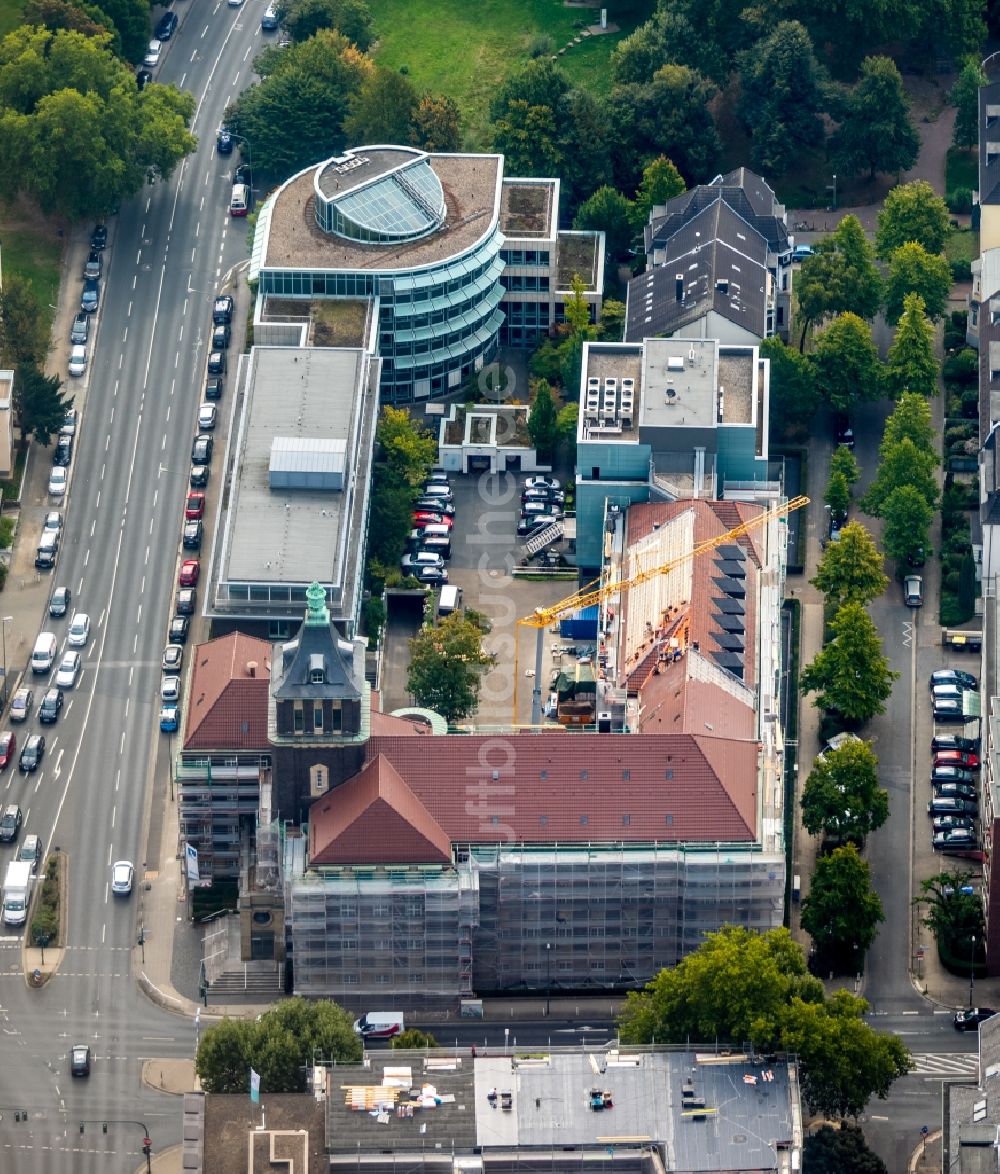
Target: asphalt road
x,y
169,250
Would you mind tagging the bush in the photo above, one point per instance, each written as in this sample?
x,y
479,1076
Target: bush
x,y
951,582
45,923
373,618
543,46
961,368
959,201
961,269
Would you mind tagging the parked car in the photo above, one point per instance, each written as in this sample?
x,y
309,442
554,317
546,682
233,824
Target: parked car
x,y
913,591
410,563
222,309
188,575
217,363
99,237
543,482
170,688
166,26
944,823
169,718
208,414
955,840
173,656
195,506
431,576
956,791
213,388
198,477
186,601
201,449
949,805
20,705
179,628
58,478
958,677
948,711
221,336
952,774
77,361
152,58
970,1020
534,524
191,535
79,331
91,297
68,426
423,518
954,742
94,265
142,78
800,252
63,453
8,743
53,523
962,758
435,506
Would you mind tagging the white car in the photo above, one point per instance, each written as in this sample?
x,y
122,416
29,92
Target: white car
x,y
79,630
152,57
121,877
170,688
53,522
57,481
208,414
542,483
234,3
68,671
78,360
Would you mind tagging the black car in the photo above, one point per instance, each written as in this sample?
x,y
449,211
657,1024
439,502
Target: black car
x,y
94,264
32,754
186,601
63,451
224,142
142,78
50,706
79,1060
222,310
948,805
947,823
843,430
955,840
201,449
90,299
166,27
99,237
436,505
199,476
213,389
971,1019
10,823
179,626
79,331
191,536
217,363
956,791
59,602
954,742
221,335
952,774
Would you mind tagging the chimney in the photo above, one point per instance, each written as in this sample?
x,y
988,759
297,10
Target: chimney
x,y
251,668
679,287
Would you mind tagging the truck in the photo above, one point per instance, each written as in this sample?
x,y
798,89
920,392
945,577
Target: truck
x,y
16,892
379,1024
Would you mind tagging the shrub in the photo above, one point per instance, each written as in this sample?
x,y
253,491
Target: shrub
x,y
541,46
961,368
951,581
45,922
959,201
373,618
961,269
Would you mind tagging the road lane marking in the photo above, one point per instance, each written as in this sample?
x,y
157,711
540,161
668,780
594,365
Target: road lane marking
x,y
128,314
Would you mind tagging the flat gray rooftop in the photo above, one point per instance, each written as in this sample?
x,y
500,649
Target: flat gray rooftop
x,y
471,186
296,536
361,166
679,381
551,1106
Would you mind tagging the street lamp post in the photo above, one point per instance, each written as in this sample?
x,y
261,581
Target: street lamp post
x,y
548,977
972,968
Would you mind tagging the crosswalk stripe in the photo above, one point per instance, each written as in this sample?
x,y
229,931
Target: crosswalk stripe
x,y
946,1063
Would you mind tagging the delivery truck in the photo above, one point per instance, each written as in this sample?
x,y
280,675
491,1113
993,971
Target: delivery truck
x,y
16,892
379,1024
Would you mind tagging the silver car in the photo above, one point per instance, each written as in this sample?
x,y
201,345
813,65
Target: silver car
x,y
69,670
79,630
121,877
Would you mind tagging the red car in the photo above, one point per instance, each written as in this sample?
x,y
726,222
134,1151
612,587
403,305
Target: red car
x,y
423,518
7,744
957,758
195,507
189,572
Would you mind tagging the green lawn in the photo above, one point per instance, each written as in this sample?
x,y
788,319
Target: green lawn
x,y
465,48
962,245
33,252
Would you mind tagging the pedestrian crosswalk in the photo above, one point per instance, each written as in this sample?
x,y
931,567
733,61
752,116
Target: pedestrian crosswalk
x,y
946,1064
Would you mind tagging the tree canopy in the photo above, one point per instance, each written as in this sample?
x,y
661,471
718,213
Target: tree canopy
x,y
445,666
842,912
906,517
851,674
911,417
40,405
24,332
848,369
839,1151
280,1046
842,798
902,463
964,96
913,270
843,461
876,133
660,182
794,397
740,986
912,212
542,420
304,18
69,107
609,211
381,109
911,364
437,124
850,569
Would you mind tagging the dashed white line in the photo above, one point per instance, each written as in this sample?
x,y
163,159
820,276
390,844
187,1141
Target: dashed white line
x,y
135,643
121,748
180,84
86,557
138,258
135,279
128,312
79,589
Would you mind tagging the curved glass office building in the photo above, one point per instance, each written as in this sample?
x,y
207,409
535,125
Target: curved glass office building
x,y
417,233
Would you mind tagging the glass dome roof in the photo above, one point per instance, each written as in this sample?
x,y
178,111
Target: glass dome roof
x,y
404,204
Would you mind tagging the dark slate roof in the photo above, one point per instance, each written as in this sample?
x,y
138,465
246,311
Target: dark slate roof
x,y
743,190
989,143
317,646
722,261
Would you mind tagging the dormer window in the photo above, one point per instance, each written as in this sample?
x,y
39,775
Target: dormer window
x,y
317,670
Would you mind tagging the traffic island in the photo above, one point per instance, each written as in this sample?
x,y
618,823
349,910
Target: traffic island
x,y
170,1076
45,938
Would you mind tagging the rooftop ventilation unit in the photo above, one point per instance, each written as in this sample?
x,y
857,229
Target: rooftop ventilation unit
x,y
670,395
675,362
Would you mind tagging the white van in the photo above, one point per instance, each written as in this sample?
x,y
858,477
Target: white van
x,y
44,653
450,599
239,201
379,1024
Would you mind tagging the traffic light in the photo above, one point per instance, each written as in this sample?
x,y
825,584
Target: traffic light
x,y
104,1126
147,1147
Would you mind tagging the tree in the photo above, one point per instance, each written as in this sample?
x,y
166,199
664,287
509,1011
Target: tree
x,y
845,463
793,394
783,95
305,18
907,517
848,369
542,420
296,114
69,107
911,417
967,589
130,19
952,915
912,212
445,664
406,447
566,427
609,211
382,109
842,798
851,675
670,114
840,276
280,1045
838,495
60,14
913,270
902,463
611,324
437,124
911,364
740,986
842,911
413,1037
661,181
964,96
39,406
850,570
876,133
839,1151
24,333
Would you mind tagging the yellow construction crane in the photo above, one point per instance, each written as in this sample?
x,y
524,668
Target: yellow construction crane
x,y
594,592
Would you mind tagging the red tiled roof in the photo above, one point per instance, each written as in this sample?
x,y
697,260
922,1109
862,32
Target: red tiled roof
x,y
227,707
576,787
375,818
388,726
